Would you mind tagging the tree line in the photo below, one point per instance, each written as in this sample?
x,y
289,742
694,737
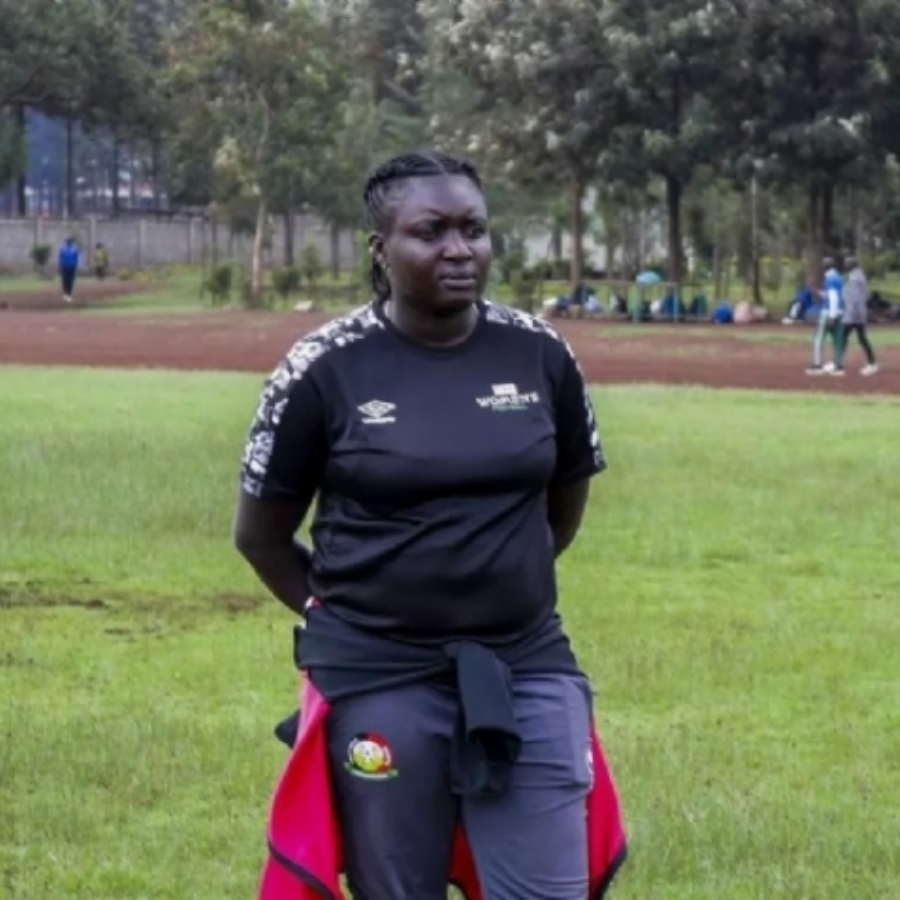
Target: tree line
x,y
753,130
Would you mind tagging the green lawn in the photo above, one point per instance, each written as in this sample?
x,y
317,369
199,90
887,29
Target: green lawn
x,y
176,289
880,334
733,595
16,283
174,292
179,291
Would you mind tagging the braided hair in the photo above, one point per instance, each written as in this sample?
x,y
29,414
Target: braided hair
x,y
381,184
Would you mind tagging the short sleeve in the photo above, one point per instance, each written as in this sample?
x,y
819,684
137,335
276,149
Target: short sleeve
x,y
287,447
579,453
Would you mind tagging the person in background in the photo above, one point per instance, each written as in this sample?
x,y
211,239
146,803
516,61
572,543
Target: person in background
x,y
830,323
618,305
69,259
592,307
101,262
856,313
802,304
579,303
878,306
723,314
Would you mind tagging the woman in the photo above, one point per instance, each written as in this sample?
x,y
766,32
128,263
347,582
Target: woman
x,y
447,729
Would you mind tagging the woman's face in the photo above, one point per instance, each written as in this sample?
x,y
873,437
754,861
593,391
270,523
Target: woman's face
x,y
438,251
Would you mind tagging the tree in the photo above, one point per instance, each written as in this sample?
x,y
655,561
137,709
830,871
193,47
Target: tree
x,y
38,43
672,57
314,147
391,94
534,92
12,150
105,84
335,185
57,58
144,121
238,68
818,79
391,33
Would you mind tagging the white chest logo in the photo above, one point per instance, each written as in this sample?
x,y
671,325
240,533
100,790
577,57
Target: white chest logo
x,y
377,412
508,398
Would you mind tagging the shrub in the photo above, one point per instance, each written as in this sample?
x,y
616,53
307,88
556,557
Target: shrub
x,y
148,276
892,260
286,281
881,264
219,283
246,284
772,275
543,270
562,269
311,264
524,288
513,260
40,256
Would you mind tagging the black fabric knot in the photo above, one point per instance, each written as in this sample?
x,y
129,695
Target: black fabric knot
x,y
486,742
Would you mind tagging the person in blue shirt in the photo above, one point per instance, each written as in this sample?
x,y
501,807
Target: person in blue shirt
x,y
723,314
802,305
69,259
830,323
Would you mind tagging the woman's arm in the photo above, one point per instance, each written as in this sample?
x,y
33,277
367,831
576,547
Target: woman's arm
x,y
282,470
579,455
265,535
565,509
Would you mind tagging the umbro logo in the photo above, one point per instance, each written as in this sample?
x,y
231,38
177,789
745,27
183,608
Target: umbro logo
x,y
377,412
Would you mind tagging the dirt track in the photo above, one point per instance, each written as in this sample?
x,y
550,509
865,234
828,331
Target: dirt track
x,y
666,354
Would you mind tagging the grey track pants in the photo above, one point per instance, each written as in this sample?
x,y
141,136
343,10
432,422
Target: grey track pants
x,y
389,758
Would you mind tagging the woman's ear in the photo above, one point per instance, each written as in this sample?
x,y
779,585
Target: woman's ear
x,y
376,249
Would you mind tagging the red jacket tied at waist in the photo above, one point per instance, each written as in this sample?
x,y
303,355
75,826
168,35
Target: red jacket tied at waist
x,y
305,860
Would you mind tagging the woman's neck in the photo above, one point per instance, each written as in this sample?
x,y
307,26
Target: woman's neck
x,y
429,328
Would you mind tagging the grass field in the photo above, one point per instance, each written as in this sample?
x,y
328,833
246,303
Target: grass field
x,y
733,595
178,292
31,282
880,334
174,291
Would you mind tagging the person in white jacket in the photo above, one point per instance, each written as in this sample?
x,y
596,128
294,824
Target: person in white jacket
x,y
831,316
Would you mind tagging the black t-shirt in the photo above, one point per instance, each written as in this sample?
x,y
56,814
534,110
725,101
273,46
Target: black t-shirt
x,y
431,467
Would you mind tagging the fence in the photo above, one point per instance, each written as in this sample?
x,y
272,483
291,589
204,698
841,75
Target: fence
x,y
143,243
